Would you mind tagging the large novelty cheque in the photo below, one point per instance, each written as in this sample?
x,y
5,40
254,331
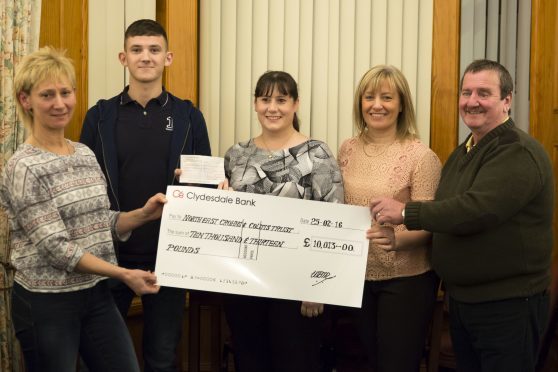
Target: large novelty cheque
x,y
261,245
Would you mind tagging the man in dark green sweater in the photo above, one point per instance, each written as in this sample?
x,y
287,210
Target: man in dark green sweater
x,y
492,229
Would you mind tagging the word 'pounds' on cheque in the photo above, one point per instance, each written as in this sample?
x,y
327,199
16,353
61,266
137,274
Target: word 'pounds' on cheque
x,y
220,199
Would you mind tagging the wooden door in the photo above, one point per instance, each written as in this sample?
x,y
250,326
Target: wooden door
x,y
544,119
544,87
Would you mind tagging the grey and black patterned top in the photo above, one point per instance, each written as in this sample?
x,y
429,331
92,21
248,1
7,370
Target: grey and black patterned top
x,y
58,209
306,171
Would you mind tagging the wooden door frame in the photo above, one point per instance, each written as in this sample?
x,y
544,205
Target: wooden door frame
x,y
444,113
64,25
180,18
543,108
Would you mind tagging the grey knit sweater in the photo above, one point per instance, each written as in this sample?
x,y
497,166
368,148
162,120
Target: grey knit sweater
x,y
58,209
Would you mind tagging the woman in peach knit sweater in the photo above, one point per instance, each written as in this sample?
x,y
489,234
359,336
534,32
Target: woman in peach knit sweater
x,y
387,159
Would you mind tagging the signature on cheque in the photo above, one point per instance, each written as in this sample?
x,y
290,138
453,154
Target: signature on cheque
x,y
321,276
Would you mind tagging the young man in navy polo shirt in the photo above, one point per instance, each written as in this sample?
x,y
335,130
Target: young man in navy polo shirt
x,y
138,137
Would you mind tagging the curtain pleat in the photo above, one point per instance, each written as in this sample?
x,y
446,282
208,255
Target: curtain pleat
x,y
20,27
326,45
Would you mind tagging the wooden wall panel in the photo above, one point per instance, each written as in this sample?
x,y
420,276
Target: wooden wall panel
x,y
64,26
445,77
555,64
180,19
543,124
544,94
544,65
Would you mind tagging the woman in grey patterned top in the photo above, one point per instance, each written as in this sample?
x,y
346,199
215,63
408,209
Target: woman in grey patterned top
x,y
61,231
273,334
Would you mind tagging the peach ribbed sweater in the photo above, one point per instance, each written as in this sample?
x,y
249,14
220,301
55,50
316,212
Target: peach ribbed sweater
x,y
405,171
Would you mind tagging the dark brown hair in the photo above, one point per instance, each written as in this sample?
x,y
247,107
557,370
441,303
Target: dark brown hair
x,y
506,81
145,27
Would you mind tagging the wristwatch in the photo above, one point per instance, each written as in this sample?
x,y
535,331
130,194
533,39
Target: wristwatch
x,y
403,213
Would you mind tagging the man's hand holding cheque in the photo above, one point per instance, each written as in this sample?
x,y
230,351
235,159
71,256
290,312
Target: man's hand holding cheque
x,y
387,210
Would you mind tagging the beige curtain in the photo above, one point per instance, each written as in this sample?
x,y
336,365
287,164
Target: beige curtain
x,y
325,45
19,35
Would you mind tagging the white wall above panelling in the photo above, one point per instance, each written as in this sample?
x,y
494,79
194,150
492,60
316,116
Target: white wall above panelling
x,y
326,45
138,9
105,74
108,20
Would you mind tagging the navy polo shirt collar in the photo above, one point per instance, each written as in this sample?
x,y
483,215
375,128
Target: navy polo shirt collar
x,y
125,98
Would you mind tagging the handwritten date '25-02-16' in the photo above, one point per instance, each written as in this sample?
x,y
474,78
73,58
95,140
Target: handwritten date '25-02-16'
x,y
321,222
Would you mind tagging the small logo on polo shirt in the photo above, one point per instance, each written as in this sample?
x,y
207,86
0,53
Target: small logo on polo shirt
x,y
169,126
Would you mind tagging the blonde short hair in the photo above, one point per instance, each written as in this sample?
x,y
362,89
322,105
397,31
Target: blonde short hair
x,y
372,80
45,64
